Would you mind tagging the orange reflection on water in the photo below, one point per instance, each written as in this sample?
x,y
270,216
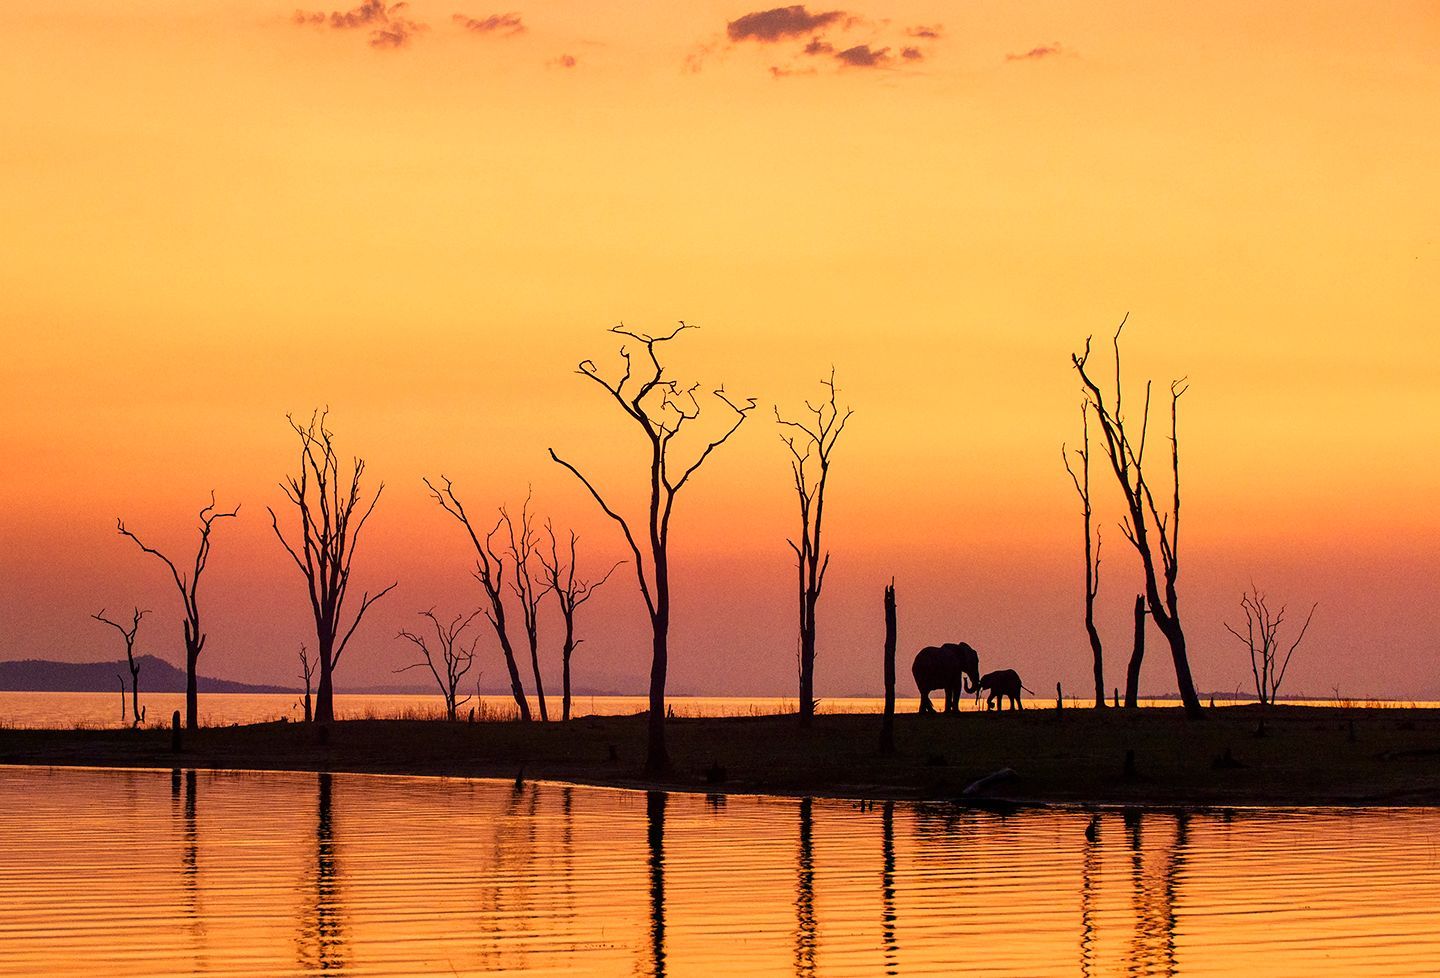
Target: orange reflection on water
x,y
132,873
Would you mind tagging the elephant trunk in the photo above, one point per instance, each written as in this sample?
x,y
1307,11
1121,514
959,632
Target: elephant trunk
x,y
971,683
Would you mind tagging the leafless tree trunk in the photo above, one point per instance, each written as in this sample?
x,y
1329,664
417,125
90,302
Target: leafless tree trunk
x,y
331,518
528,591
887,724
128,635
1262,639
811,443
1143,515
570,593
189,586
1137,656
660,408
490,572
454,659
307,673
1092,551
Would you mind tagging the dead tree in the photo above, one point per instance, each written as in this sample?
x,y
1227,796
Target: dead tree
x,y
1262,640
128,634
449,661
661,408
887,724
1137,656
811,443
189,586
1154,535
307,673
1092,550
570,593
332,514
528,591
490,572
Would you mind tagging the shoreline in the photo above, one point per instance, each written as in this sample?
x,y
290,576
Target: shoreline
x,y
1311,756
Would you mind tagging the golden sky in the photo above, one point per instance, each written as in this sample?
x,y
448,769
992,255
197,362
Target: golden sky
x,y
214,214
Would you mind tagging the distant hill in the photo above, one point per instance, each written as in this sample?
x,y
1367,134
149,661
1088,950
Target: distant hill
x,y
156,676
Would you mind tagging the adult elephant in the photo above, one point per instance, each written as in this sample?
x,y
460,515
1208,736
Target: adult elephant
x,y
953,667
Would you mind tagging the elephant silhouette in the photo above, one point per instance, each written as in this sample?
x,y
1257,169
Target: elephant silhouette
x,y
1001,683
953,667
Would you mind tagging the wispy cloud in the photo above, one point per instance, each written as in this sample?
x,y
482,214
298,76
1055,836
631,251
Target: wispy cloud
x,y
389,26
564,61
781,23
504,24
1035,54
864,56
810,40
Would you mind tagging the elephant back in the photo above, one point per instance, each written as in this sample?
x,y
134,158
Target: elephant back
x,y
937,667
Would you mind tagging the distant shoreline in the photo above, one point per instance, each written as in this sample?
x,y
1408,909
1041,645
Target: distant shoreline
x,y
1330,756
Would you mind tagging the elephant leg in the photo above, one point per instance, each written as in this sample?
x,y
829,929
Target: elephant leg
x,y
952,701
925,704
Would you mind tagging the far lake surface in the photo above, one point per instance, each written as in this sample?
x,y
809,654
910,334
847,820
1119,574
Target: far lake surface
x,y
155,873
31,709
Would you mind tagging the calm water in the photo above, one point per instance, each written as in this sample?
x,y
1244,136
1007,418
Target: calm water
x,y
103,709
151,873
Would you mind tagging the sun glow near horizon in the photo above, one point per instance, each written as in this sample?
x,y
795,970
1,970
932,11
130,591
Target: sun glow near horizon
x,y
214,216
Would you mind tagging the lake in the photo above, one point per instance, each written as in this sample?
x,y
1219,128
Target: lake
x,y
154,873
32,709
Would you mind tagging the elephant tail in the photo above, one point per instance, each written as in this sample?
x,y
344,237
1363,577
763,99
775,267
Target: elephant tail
x,y
1027,689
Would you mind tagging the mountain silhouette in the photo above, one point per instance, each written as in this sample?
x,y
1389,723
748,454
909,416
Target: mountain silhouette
x,y
156,676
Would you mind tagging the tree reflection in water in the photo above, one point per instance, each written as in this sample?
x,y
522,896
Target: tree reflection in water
x,y
1155,887
655,837
887,888
805,936
322,937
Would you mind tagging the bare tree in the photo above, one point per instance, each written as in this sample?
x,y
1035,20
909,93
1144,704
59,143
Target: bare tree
x,y
661,408
332,515
570,593
887,724
307,673
1092,550
1160,556
1262,639
1137,656
189,586
449,661
528,590
128,634
490,572
811,443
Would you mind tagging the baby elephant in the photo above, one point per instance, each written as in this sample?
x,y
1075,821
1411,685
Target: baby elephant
x,y
1001,683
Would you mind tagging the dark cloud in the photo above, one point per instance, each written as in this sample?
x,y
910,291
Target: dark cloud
x,y
819,46
931,32
1035,54
507,24
396,33
389,27
864,56
564,61
912,54
780,23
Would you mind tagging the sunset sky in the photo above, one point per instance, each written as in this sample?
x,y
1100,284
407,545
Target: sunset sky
x,y
214,214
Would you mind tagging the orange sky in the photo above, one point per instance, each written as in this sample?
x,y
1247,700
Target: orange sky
x,y
213,215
